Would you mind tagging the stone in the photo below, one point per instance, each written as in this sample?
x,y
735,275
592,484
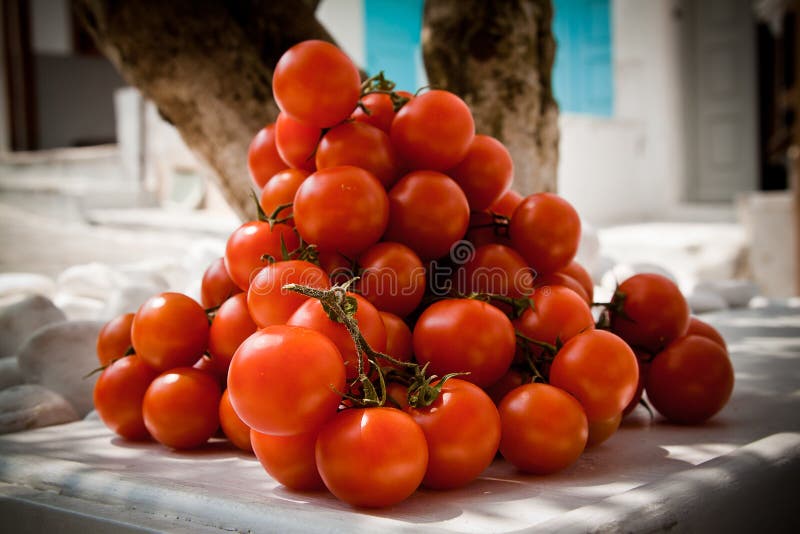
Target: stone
x,y
737,293
15,286
127,299
20,320
59,356
78,308
706,301
28,406
89,280
10,375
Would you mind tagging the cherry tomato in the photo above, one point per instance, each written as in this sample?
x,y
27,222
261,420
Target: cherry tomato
x,y
702,328
392,277
235,430
269,303
396,395
544,429
495,269
399,341
545,229
507,203
372,457
169,330
118,395
691,380
359,145
280,190
508,382
557,315
232,324
428,212
217,285
544,281
462,429
114,339
263,160
644,360
281,395
181,408
381,111
289,459
576,271
296,142
342,209
248,245
485,230
485,173
602,429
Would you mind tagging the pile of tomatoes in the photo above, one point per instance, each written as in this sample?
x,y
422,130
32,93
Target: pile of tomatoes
x,y
397,314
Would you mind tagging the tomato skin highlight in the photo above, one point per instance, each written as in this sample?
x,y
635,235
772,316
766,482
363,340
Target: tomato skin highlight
x,y
263,160
392,277
545,229
280,190
359,145
234,428
118,395
290,460
114,339
558,314
248,245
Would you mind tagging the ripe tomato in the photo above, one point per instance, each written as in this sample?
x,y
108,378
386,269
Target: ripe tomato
x,y
169,330
576,271
371,457
381,111
280,190
544,429
341,209
462,429
653,312
600,370
462,335
263,160
217,285
557,315
392,277
545,229
181,408
114,339
316,83
296,142
428,212
644,368
544,281
602,429
702,328
507,203
281,395
433,131
234,428
118,395
289,459
508,382
398,338
495,269
269,303
485,173
691,380
248,245
483,230
232,324
359,145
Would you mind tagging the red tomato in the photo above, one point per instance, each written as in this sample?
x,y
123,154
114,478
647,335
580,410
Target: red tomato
x,y
461,335
296,142
427,212
508,382
507,203
398,338
495,269
207,365
576,271
545,229
702,328
359,145
118,395
600,370
263,159
281,395
248,245
691,380
544,429
289,459
372,457
601,430
316,83
557,315
544,281
269,303
381,111
181,408
485,173
232,324
280,190
341,209
217,285
169,330
114,339
462,429
644,368
433,131
235,430
396,395
484,230
392,277
653,312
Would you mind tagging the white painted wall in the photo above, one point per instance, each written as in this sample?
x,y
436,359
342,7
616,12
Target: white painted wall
x,y
344,19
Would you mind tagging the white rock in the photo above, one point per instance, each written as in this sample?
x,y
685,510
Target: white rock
x,y
59,356
127,299
27,406
603,265
20,320
79,308
16,285
623,271
90,280
706,301
737,293
589,247
10,375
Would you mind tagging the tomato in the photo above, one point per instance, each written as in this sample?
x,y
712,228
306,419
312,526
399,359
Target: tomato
x,y
114,339
702,328
495,269
508,382
372,457
507,203
485,173
392,277
691,380
544,281
217,285
544,429
396,395
462,429
433,131
652,311
269,303
235,430
557,315
316,83
282,395
169,330
428,212
263,160
381,111
462,335
311,315
341,209
600,370
359,145
484,230
207,365
545,229
118,395
296,142
280,190
644,369
577,272
398,338
248,245
232,324
289,459
602,429
181,408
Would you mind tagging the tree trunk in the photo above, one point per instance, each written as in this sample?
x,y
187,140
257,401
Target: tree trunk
x,y
498,56
208,68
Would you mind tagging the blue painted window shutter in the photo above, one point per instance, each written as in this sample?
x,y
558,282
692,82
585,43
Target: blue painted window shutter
x,y
393,30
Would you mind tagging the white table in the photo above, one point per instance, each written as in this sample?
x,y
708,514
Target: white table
x,y
738,473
